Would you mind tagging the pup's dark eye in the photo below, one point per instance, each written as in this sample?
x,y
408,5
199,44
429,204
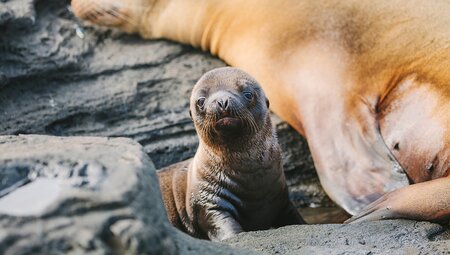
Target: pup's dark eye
x,y
201,102
248,95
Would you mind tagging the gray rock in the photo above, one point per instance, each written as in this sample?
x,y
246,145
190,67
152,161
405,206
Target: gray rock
x,y
85,195
62,77
19,11
79,195
384,237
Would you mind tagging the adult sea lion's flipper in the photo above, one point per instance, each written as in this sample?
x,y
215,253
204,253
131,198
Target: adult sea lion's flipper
x,y
123,14
422,201
355,169
354,164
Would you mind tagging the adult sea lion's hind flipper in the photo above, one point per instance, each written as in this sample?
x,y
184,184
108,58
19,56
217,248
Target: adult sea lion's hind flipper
x,y
354,165
423,201
113,13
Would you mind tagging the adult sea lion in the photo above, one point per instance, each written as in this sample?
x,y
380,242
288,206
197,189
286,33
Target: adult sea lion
x,y
235,182
366,82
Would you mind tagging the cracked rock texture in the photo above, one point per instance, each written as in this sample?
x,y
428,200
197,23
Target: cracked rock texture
x,y
85,195
17,12
61,77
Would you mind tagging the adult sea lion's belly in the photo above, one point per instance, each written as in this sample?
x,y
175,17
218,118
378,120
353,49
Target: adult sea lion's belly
x,y
414,121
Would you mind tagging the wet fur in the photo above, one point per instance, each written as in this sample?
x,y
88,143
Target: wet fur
x,y
234,183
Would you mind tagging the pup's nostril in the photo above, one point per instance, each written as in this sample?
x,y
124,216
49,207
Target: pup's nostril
x,y
223,104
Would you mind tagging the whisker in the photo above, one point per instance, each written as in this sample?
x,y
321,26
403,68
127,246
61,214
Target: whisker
x,y
245,115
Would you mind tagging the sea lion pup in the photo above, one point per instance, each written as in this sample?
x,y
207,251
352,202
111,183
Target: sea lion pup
x,y
235,182
366,82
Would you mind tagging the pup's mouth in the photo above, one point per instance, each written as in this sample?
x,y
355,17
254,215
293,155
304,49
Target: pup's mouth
x,y
228,125
228,122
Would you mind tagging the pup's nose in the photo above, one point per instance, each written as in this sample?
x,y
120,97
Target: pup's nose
x,y
223,103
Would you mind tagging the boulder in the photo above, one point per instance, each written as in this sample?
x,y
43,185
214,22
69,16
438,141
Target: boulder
x,y
85,195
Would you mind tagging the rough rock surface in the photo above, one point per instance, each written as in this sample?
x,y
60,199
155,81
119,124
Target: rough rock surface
x,y
17,12
61,77
85,195
385,237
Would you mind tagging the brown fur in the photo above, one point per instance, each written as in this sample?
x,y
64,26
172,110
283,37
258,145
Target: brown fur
x,y
172,182
235,182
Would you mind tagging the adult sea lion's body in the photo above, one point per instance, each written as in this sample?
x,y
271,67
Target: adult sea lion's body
x,y
366,82
235,182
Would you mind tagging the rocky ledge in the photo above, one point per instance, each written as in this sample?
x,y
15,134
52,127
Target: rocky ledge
x,y
60,77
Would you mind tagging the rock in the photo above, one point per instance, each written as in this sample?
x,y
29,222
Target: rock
x,y
21,12
85,195
383,237
79,195
65,78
